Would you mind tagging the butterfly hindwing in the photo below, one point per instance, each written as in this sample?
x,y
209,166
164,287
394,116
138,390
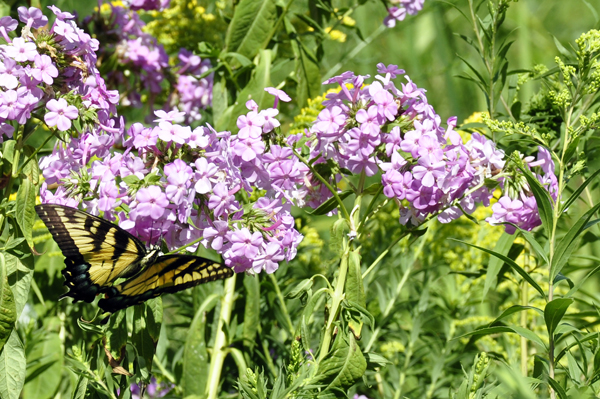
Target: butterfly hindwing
x,y
97,252
170,273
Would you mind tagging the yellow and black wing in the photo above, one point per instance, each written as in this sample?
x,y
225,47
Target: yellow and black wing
x,y
170,273
97,252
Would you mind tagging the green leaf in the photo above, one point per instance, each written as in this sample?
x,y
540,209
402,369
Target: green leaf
x,y
512,264
537,247
515,309
568,243
338,233
117,334
195,355
8,154
154,314
219,97
578,285
12,368
525,333
579,190
81,388
44,377
251,310
19,266
330,204
543,200
560,391
300,288
251,26
354,283
131,180
495,264
344,364
142,338
25,212
554,312
8,310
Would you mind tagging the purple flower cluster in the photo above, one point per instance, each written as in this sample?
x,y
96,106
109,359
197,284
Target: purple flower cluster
x,y
518,206
144,63
188,186
147,5
50,71
398,10
427,169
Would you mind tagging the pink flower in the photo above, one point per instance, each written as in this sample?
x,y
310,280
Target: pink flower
x,y
61,114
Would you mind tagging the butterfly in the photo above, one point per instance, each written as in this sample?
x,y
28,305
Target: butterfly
x,y
98,252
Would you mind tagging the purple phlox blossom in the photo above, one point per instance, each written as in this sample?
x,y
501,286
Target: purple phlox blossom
x,y
330,120
108,168
251,105
429,170
363,142
179,179
239,264
32,16
249,148
60,197
269,259
346,77
143,137
108,196
151,202
358,163
391,70
394,14
62,15
386,105
10,106
44,69
169,132
284,174
204,172
21,50
393,141
428,145
279,95
10,72
200,138
221,200
422,197
506,210
171,116
396,184
412,6
250,125
277,153
7,24
61,114
6,130
544,159
271,122
215,234
245,243
369,119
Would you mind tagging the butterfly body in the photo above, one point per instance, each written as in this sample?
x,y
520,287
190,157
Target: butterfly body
x,y
97,253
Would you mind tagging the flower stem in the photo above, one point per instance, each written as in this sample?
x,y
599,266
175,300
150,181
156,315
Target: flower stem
x,y
336,299
219,353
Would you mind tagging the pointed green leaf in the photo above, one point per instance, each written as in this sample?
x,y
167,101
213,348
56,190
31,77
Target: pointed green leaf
x,y
44,367
8,310
25,212
513,265
251,26
568,243
579,190
537,247
344,364
543,200
12,368
195,355
19,266
495,264
554,312
117,334
525,333
330,204
251,310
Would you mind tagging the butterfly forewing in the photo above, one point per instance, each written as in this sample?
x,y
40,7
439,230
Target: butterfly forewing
x,y
171,273
97,252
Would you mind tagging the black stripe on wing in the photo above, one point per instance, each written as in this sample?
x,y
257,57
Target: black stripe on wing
x,y
97,252
170,273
